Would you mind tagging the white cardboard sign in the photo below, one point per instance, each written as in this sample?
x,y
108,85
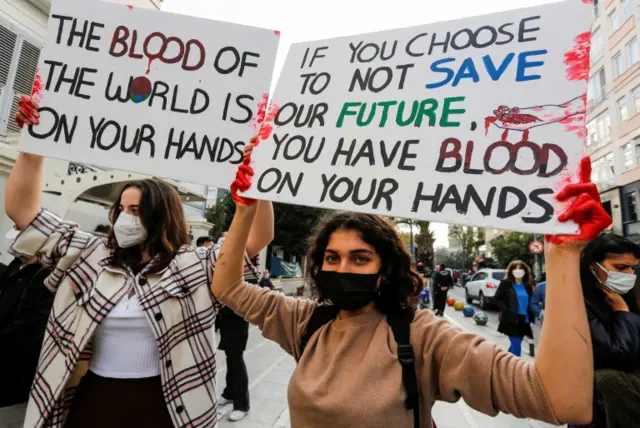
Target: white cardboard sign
x,y
151,92
476,121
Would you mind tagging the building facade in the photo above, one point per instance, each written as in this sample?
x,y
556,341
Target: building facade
x,y
613,110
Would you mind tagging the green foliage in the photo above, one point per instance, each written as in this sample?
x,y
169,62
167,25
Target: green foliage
x,y
512,246
221,215
294,224
424,242
463,237
453,260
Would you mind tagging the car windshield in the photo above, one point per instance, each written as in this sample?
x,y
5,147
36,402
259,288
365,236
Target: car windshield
x,y
499,275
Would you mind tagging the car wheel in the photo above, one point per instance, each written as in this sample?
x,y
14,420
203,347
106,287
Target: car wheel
x,y
483,302
467,296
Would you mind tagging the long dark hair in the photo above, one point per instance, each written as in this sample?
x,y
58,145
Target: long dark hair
x,y
527,279
605,245
400,284
162,215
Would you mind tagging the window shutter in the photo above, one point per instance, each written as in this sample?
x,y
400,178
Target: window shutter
x,y
8,41
23,81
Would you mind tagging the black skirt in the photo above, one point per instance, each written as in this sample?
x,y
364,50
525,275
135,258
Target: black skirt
x,y
102,402
513,327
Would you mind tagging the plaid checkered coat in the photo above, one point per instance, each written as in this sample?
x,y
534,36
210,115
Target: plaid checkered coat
x,y
177,302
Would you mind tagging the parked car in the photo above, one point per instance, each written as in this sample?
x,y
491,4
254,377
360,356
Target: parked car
x,y
483,286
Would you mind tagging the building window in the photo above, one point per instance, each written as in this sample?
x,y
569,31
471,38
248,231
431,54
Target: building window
x,y
18,63
623,111
603,170
632,206
618,65
597,46
628,157
596,88
635,98
627,8
632,51
613,22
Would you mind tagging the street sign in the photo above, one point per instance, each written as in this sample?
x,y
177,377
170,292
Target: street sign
x,y
536,247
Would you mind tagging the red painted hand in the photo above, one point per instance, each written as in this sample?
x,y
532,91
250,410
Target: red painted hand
x,y
27,112
586,209
244,176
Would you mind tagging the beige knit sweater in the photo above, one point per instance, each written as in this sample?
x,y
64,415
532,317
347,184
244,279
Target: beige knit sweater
x,y
349,375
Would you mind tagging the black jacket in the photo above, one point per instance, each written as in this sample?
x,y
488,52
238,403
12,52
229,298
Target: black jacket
x,y
615,336
511,322
234,331
25,304
442,279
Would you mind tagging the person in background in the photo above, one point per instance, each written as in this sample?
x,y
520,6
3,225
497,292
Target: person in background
x,y
265,281
537,300
222,237
513,297
25,304
205,241
610,286
234,334
442,282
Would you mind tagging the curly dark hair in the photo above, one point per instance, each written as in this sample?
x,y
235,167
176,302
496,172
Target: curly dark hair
x,y
400,283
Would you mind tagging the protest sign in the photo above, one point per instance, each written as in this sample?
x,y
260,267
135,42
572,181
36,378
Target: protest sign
x,y
151,92
476,121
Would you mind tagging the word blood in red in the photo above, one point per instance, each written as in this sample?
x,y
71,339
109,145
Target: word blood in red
x,y
169,50
451,149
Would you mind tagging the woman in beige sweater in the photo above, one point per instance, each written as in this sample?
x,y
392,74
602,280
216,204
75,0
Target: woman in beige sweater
x,y
349,374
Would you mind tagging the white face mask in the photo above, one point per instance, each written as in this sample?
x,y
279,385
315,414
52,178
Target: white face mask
x,y
518,273
618,282
129,231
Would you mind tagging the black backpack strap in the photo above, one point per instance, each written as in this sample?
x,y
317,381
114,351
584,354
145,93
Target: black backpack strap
x,y
320,316
400,323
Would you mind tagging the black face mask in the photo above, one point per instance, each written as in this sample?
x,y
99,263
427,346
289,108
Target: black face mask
x,y
348,291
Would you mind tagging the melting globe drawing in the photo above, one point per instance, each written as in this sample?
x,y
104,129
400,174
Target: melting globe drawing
x,y
140,89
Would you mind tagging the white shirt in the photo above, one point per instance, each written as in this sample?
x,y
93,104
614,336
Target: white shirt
x,y
124,346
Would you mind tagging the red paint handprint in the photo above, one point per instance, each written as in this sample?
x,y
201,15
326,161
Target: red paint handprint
x,y
586,209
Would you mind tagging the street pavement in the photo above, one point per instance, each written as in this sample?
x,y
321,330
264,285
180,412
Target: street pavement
x,y
270,369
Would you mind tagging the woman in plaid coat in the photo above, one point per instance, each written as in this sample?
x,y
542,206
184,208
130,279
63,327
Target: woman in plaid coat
x,y
129,341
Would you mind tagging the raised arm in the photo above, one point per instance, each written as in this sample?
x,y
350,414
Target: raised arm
x,y
22,197
281,319
565,358
261,233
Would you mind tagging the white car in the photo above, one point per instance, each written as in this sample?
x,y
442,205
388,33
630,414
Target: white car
x,y
483,286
